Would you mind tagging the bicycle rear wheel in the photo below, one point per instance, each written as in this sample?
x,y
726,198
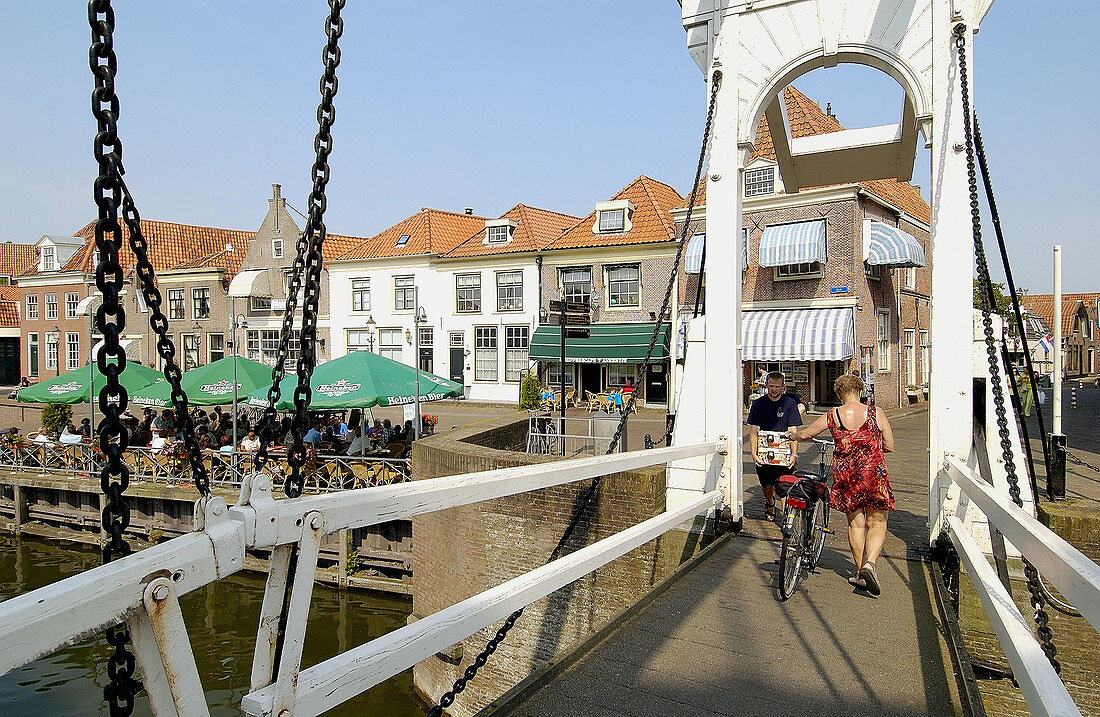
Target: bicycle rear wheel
x,y
792,553
817,531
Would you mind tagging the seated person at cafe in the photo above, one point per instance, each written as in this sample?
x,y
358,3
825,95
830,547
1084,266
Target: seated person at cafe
x,y
629,387
226,444
355,448
86,427
70,436
387,431
159,440
339,428
250,442
313,435
375,434
43,435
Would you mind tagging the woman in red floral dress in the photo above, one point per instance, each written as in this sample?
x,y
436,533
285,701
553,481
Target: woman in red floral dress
x,y
861,485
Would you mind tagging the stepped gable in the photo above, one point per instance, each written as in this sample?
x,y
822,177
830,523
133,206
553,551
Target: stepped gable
x,y
535,229
807,119
16,259
1043,305
170,245
430,231
651,221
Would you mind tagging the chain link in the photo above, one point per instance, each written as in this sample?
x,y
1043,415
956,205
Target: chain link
x,y
307,271
110,319
988,302
1081,462
590,492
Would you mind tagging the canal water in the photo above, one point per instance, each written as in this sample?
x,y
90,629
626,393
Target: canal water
x,y
221,619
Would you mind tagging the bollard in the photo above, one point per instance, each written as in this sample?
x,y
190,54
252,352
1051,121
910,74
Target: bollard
x,y
1056,478
1073,396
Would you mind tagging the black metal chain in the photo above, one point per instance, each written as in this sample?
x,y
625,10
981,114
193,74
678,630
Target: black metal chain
x,y
1081,462
589,495
988,302
307,270
110,320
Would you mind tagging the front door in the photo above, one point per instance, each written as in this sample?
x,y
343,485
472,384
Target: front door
x,y
457,359
656,383
427,359
9,361
590,378
827,374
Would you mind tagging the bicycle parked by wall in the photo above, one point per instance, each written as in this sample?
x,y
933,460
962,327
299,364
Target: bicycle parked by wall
x,y
805,521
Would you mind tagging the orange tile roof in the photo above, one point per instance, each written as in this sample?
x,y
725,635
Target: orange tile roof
x,y
10,293
1043,305
9,313
431,231
170,245
651,222
16,259
535,229
806,119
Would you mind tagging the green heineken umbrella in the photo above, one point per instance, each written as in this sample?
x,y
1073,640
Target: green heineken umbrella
x,y
361,380
210,385
72,387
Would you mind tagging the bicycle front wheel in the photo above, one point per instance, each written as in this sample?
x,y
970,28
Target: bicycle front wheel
x,y
791,555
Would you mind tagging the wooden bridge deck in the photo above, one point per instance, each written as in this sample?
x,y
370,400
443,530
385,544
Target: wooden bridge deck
x,y
720,642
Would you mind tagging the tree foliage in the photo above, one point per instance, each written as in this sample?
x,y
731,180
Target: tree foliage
x,y
530,391
56,416
1003,304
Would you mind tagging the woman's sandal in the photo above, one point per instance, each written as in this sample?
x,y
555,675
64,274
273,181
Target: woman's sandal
x,y
857,582
769,512
867,572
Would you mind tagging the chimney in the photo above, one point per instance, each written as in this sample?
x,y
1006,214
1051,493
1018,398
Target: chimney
x,y
276,203
829,110
469,211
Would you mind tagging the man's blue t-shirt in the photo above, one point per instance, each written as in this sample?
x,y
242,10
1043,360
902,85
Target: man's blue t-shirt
x,y
314,436
772,415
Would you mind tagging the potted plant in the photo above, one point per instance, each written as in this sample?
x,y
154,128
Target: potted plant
x,y
429,423
912,391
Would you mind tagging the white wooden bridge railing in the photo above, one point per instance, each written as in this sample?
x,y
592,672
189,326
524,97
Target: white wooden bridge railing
x,y
143,589
1077,577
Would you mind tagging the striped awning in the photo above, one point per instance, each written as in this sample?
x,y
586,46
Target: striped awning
x,y
886,245
693,253
798,335
798,243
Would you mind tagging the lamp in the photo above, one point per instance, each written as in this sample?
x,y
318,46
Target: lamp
x,y
543,315
370,332
408,337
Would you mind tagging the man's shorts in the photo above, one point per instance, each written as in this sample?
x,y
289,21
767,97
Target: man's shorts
x,y
769,475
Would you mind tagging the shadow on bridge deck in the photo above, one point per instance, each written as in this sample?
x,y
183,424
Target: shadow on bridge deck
x,y
719,641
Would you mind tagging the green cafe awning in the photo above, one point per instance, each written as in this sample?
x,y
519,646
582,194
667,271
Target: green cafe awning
x,y
607,343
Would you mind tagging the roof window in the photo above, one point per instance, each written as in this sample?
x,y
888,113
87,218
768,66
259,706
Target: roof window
x,y
403,240
759,181
613,217
498,232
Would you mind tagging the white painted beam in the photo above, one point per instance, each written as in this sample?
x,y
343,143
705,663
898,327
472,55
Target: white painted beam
x,y
907,143
780,130
1075,576
326,685
1041,687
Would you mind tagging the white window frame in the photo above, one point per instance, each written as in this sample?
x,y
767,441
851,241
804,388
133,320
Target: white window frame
x,y
909,278
390,342
49,258
72,301
759,181
360,294
72,350
195,341
614,290
574,290
52,340
51,307
795,272
427,336
517,349
925,358
177,304
33,351
882,340
200,303
553,378
498,235
210,348
612,221
404,293
472,302
910,339
457,339
276,248
616,374
509,294
259,303
32,307
486,357
360,339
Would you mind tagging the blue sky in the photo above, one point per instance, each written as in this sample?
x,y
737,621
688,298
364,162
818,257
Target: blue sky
x,y
556,104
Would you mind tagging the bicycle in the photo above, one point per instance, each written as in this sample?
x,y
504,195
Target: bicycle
x,y
542,436
805,521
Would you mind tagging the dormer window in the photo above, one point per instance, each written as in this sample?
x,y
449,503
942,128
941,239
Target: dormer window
x,y
49,258
760,181
498,231
403,240
498,235
613,217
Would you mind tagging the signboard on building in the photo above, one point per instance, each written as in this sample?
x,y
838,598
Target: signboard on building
x,y
838,290
801,373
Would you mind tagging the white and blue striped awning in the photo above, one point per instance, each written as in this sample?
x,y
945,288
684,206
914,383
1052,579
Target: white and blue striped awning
x,y
799,243
889,246
798,335
693,253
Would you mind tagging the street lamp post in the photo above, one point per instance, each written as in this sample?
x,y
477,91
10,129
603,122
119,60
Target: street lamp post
x,y
370,333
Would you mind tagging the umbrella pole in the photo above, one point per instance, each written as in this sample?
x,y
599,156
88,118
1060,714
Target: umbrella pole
x,y
416,361
233,453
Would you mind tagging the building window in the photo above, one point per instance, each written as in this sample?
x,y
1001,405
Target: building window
x,y
51,307
618,373
623,285
215,347
32,354
51,351
805,270
190,351
72,350
468,293
872,271
389,343
510,291
576,284
883,340
200,302
457,339
910,358
485,353
517,343
497,235
72,300
175,303
360,294
553,376
612,220
759,181
403,240
259,303
427,337
909,276
32,307
276,248
360,340
925,364
404,293
263,346
49,258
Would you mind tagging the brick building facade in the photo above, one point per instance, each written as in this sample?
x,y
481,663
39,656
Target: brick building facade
x,y
1080,332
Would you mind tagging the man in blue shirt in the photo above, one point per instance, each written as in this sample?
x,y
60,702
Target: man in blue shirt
x,y
314,436
774,411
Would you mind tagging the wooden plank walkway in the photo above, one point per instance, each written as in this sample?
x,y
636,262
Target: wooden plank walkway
x,y
720,642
